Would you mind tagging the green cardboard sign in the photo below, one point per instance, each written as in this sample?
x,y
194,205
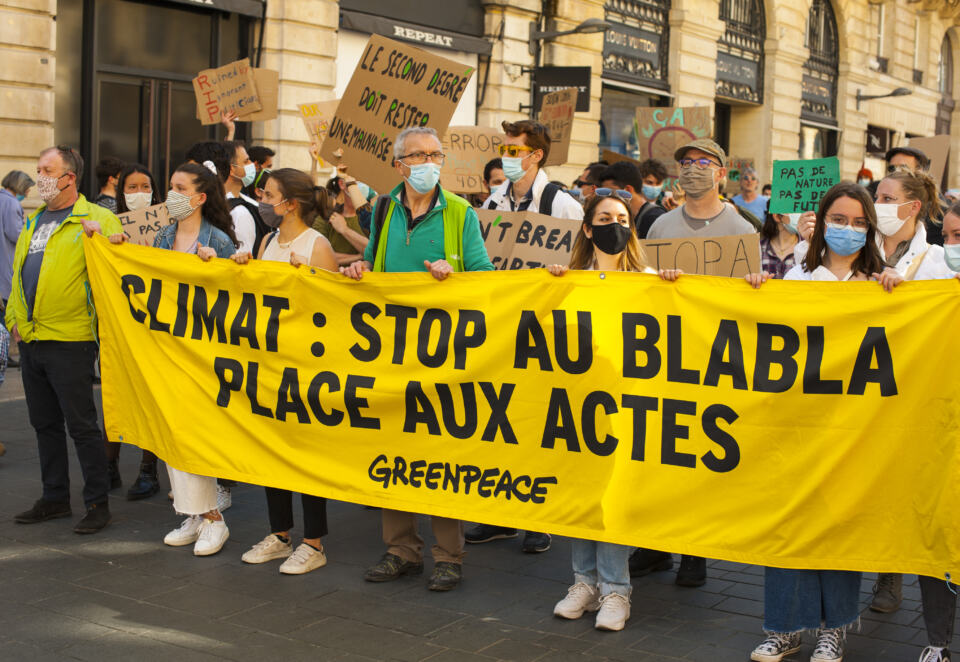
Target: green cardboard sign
x,y
799,185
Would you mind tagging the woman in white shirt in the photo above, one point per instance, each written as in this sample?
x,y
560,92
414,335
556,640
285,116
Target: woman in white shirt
x,y
843,247
290,203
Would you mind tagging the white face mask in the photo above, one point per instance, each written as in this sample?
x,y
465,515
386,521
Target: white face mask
x,y
888,222
137,201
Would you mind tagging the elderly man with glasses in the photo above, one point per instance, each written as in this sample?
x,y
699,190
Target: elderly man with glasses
x,y
748,198
703,165
525,148
421,227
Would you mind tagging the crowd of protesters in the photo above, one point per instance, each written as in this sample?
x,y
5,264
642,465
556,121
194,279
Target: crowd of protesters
x,y
230,201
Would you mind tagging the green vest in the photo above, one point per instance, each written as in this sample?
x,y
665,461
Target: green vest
x,y
454,215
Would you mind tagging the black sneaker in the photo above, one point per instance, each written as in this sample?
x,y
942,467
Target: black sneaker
x,y
147,483
643,561
392,567
445,576
97,517
44,510
487,532
692,571
113,473
534,543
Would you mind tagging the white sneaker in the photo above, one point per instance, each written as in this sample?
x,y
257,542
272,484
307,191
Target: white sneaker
x,y
213,533
224,498
935,654
302,561
580,598
829,645
776,646
268,549
186,533
614,612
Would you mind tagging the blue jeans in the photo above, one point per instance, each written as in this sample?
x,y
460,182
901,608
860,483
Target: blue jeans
x,y
796,600
602,564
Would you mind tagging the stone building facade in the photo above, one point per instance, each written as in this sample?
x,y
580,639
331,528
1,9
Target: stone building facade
x,y
781,77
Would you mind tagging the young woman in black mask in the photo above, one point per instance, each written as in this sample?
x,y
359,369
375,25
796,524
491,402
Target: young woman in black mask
x,y
606,242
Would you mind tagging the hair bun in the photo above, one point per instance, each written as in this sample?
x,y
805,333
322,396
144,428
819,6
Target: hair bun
x,y
209,165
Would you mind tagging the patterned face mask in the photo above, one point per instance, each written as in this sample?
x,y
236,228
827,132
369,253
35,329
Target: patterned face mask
x,y
178,205
47,187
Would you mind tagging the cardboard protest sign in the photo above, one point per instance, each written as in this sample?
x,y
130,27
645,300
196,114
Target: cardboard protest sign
x,y
468,149
268,91
661,131
735,167
937,150
799,185
316,118
556,113
394,86
526,240
612,157
231,87
733,256
142,226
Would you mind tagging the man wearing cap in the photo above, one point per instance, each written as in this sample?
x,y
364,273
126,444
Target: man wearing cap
x,y
913,158
703,165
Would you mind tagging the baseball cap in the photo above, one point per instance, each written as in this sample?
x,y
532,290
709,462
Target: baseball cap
x,y
704,145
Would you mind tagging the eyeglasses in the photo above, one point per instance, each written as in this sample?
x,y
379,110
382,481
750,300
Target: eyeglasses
x,y
858,224
514,151
580,183
700,163
626,196
418,158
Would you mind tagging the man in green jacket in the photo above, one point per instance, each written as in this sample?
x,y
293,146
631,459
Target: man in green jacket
x,y
50,314
421,227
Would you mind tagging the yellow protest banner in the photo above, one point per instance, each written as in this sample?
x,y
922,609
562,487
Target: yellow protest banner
x,y
809,425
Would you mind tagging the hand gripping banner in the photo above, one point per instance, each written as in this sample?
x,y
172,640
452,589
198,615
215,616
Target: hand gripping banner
x,y
802,425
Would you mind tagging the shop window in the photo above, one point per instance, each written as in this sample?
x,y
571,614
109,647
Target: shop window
x,y
945,85
152,37
618,125
740,50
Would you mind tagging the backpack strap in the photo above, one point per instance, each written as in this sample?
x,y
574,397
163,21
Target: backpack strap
x,y
546,199
380,212
268,239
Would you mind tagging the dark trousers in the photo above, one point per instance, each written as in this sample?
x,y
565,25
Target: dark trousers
x,y
939,610
280,508
58,384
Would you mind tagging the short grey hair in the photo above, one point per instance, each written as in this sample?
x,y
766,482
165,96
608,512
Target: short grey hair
x,y
17,181
748,171
399,144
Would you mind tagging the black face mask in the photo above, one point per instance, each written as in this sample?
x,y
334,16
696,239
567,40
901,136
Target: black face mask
x,y
611,238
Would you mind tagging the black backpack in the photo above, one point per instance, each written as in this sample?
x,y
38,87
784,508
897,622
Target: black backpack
x,y
262,228
546,200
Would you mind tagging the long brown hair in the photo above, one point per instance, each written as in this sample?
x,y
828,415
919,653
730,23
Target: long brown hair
x,y
868,261
918,185
215,210
297,185
631,259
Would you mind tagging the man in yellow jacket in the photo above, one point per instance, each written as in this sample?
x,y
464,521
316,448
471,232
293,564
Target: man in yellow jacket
x,y
50,314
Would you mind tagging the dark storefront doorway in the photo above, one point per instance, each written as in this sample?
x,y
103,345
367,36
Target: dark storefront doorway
x,y
131,95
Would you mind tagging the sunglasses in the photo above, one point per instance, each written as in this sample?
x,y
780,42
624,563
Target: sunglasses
x,y
514,151
626,196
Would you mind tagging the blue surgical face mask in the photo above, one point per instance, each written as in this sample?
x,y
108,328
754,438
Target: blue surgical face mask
x,y
20,197
249,174
844,241
651,192
364,190
863,182
793,225
951,254
513,168
424,177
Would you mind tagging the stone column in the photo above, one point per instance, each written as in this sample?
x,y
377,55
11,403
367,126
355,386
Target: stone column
x,y
28,52
507,25
695,28
301,43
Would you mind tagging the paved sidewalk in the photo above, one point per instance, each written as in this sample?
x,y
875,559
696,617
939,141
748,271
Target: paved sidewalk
x,y
123,595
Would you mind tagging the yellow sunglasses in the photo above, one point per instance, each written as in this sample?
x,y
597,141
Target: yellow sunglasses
x,y
514,151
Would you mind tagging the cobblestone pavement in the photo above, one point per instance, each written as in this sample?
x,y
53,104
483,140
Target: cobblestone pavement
x,y
123,595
